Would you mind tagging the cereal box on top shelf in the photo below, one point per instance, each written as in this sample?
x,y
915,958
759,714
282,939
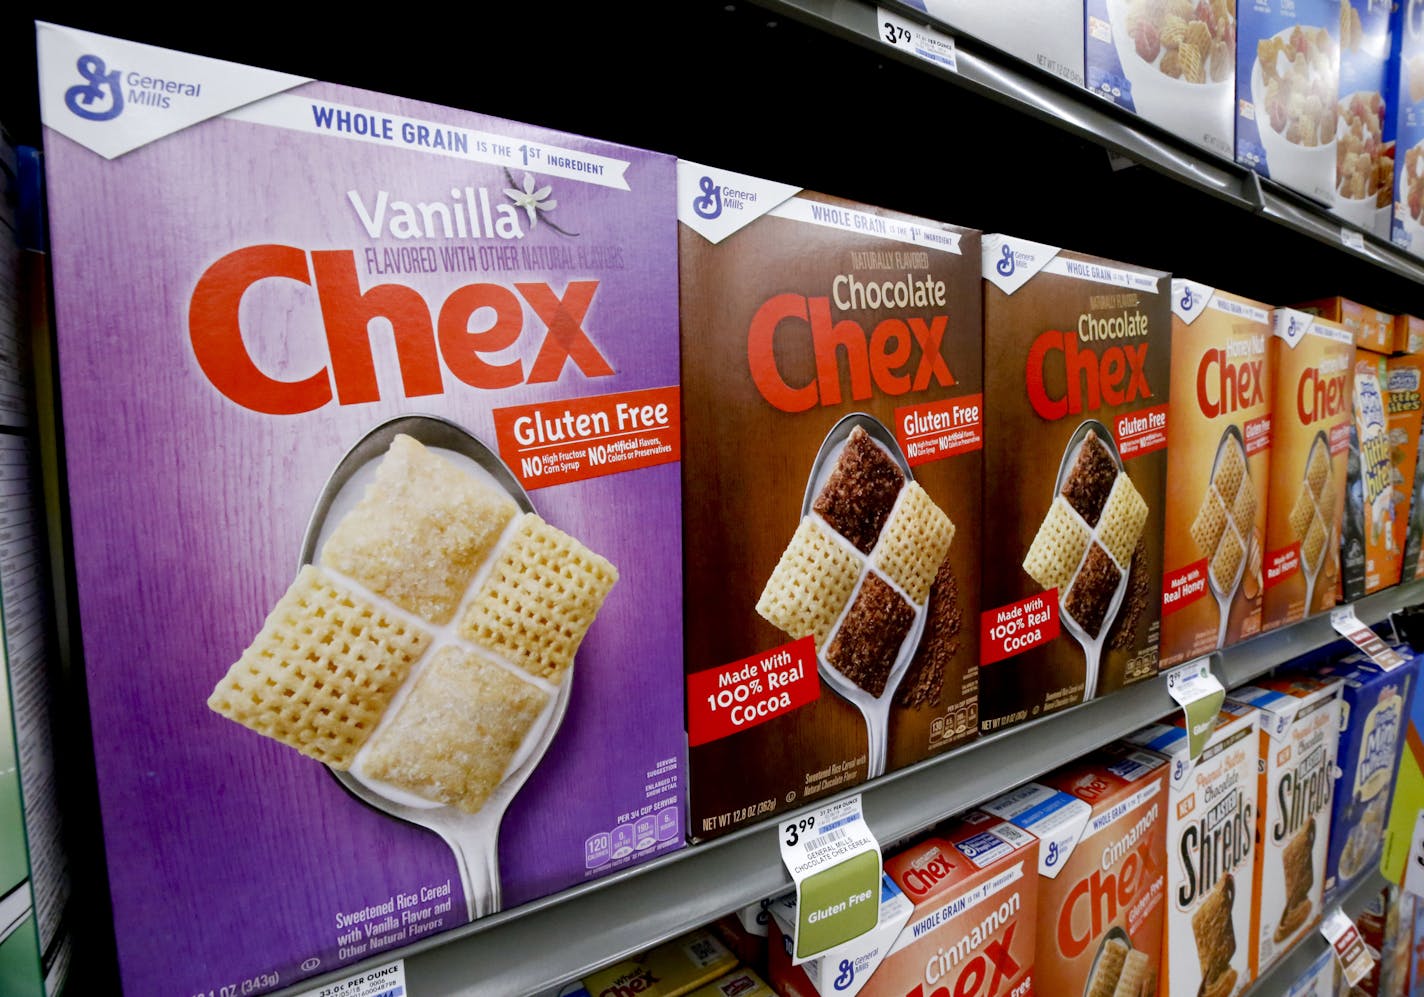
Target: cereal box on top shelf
x,y
1408,334
1407,230
1044,33
1404,396
1373,329
1211,828
1172,63
1217,470
367,465
832,400
1076,435
1369,559
1364,138
1287,91
1311,361
1300,726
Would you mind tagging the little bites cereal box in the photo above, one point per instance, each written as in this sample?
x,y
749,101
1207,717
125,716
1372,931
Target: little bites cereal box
x,y
375,510
1217,470
1211,831
833,405
1101,913
1076,428
1300,728
1311,361
1369,559
1404,414
974,885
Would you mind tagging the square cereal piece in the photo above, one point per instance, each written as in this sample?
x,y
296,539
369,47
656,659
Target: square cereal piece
x,y
1227,560
321,672
1326,501
1093,590
857,497
420,533
1243,510
1230,469
452,739
1124,516
1108,968
810,585
944,619
1135,967
916,539
539,600
869,638
1211,520
1317,470
1314,543
1088,483
1057,547
1302,513
1213,931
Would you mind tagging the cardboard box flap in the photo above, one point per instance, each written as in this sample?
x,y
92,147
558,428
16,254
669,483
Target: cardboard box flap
x,y
716,203
1056,818
863,953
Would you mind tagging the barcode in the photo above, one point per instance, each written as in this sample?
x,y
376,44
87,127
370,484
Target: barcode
x,y
703,951
824,841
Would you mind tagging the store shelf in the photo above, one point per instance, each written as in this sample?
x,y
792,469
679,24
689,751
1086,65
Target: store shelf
x,y
992,74
565,936
1278,978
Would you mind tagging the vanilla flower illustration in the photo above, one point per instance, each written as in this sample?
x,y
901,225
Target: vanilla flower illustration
x,y
533,199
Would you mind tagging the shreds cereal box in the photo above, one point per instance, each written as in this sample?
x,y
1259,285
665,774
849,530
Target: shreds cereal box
x,y
1407,230
1311,360
1369,559
1217,470
1300,717
1211,828
1404,397
1365,126
370,410
1374,709
1174,64
1044,33
1373,329
1287,91
1102,870
1076,431
830,634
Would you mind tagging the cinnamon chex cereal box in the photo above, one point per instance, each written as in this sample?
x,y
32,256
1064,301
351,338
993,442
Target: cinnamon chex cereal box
x,y
1102,873
1300,726
374,498
1311,363
1211,829
833,404
1076,433
1217,470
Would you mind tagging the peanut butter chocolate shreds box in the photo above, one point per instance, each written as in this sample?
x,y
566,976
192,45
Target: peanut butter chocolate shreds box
x,y
1300,732
375,513
1076,432
833,407
1217,469
1311,360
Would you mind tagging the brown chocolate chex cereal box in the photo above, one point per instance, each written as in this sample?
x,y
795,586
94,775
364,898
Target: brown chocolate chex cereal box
x,y
1217,468
832,362
1076,431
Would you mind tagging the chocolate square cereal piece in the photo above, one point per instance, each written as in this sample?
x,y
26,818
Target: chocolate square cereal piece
x,y
1057,547
322,670
914,543
539,599
1124,516
869,638
1211,520
453,737
1090,480
1093,590
1302,513
810,585
1227,560
944,618
860,492
1314,543
420,532
1243,510
1230,469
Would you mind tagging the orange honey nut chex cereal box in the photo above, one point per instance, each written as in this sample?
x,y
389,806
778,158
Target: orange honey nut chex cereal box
x,y
1217,470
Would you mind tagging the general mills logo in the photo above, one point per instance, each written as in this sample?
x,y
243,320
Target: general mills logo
x,y
846,976
709,205
1005,266
1188,299
99,99
1179,770
1052,858
1293,327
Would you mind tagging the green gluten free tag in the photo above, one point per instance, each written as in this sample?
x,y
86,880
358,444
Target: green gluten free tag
x,y
1201,695
834,860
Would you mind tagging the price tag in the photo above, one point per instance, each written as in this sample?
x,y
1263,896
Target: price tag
x,y
1200,694
1414,868
916,39
1351,239
1348,625
383,981
1350,949
834,860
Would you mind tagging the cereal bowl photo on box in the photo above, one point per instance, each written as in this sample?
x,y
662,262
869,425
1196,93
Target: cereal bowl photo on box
x,y
1364,163
1294,85
1412,185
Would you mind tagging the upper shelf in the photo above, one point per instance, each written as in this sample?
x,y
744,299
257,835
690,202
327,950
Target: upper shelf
x,y
569,934
1002,78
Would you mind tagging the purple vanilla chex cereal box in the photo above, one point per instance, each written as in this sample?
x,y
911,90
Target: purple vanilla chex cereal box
x,y
372,431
